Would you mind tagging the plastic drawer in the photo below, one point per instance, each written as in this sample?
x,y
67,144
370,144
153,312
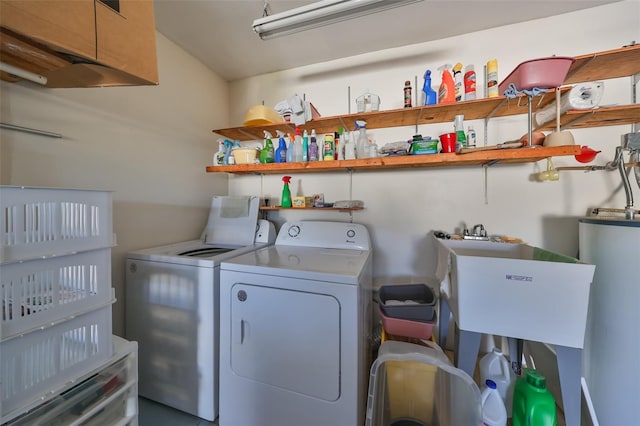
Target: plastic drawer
x,y
407,328
42,222
39,293
38,364
423,308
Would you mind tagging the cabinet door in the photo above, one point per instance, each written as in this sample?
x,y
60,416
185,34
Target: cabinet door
x,y
126,37
63,25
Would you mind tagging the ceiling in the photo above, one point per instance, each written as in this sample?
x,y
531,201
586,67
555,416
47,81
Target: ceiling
x,y
219,32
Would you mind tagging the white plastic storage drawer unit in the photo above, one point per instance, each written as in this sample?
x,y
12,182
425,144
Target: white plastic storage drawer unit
x,y
36,365
42,222
40,293
108,395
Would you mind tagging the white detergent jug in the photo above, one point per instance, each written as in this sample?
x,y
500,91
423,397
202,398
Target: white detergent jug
x,y
494,413
495,366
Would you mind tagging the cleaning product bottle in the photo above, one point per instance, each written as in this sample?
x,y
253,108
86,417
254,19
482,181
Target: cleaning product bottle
x,y
492,78
297,147
458,125
430,95
218,157
329,140
471,137
533,404
281,152
457,82
228,158
362,146
313,147
446,92
305,146
495,366
494,412
290,156
350,147
469,83
266,154
341,144
407,94
286,192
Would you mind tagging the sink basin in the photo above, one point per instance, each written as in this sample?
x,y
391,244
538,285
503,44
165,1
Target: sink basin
x,y
515,290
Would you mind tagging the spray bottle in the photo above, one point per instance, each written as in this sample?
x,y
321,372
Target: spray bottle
x,y
290,156
297,147
218,157
350,147
447,91
362,146
266,153
286,192
469,83
305,146
228,158
281,152
458,82
458,125
313,146
430,95
342,144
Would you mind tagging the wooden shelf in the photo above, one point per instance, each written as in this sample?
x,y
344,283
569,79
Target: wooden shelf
x,y
597,66
478,158
349,209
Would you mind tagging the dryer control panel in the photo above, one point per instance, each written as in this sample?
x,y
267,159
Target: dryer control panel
x,y
335,235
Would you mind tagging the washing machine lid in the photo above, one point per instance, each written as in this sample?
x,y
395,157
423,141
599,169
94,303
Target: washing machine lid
x,y
311,263
232,220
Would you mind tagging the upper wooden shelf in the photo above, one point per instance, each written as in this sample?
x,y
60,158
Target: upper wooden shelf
x,y
597,66
502,156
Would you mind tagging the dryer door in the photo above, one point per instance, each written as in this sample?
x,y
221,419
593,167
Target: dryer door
x,y
286,338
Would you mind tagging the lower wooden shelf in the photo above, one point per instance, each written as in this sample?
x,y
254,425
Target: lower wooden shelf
x,y
478,158
344,209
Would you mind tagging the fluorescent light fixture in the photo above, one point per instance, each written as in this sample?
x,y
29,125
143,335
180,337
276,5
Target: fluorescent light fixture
x,y
318,14
27,75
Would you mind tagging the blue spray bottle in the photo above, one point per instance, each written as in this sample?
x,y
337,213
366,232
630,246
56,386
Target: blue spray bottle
x,y
228,145
281,152
430,95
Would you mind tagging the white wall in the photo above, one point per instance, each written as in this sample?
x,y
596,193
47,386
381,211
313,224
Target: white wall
x,y
150,145
403,206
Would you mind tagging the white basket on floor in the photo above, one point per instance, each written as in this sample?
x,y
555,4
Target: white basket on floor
x,y
35,365
42,222
39,293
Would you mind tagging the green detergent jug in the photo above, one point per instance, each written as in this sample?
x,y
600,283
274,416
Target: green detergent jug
x,y
533,404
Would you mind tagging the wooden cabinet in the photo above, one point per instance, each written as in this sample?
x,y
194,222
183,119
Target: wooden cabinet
x,y
126,39
81,43
65,26
597,66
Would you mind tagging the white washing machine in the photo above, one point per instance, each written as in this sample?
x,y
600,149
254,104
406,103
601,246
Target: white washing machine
x,y
172,295
295,328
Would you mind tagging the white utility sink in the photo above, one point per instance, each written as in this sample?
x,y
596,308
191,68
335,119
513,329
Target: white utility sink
x,y
515,290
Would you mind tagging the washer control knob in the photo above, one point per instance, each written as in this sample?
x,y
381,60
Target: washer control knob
x,y
351,233
242,295
294,231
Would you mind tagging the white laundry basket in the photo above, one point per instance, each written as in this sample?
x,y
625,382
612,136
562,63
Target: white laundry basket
x,y
42,222
39,293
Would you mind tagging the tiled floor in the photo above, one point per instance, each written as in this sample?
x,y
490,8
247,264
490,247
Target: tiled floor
x,y
153,414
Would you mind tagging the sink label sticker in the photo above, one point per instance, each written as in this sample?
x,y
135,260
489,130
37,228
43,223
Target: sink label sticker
x,y
519,278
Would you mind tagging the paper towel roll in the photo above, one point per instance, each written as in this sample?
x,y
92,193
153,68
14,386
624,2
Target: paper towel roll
x,y
581,96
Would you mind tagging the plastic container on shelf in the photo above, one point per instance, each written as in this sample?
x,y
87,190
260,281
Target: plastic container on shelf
x,y
414,385
407,328
542,73
37,293
494,413
414,302
36,364
43,222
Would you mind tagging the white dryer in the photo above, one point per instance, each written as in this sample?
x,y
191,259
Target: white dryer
x,y
295,328
172,295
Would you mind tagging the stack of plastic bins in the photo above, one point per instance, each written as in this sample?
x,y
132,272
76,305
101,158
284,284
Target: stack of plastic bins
x,y
55,271
407,310
414,385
